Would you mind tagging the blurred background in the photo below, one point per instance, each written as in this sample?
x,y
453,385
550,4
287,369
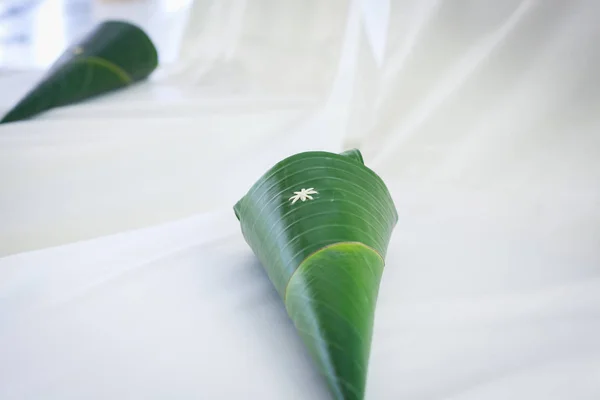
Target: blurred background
x,y
33,33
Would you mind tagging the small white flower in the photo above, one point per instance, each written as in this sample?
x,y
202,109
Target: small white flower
x,y
303,195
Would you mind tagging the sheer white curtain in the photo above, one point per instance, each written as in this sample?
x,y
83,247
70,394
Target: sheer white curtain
x,y
124,274
264,47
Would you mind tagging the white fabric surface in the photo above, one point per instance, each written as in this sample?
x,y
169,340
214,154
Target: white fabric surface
x,y
124,274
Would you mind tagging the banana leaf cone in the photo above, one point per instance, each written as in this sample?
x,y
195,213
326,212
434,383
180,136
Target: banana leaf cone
x,y
112,56
320,224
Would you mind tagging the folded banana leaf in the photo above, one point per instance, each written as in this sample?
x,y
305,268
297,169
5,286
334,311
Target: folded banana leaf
x,y
320,224
112,56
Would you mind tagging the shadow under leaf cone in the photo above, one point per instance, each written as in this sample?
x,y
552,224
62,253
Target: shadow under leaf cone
x,y
320,224
114,55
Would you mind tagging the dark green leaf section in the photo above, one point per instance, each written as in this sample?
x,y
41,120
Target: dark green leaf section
x,y
352,205
331,299
114,55
324,255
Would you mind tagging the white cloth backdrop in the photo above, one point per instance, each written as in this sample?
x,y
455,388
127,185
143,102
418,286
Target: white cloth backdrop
x,y
124,274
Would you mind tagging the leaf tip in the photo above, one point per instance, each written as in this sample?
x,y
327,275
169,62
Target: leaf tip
x,y
354,154
237,207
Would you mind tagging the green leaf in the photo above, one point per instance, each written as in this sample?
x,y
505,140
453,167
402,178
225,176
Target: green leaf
x,y
324,255
114,55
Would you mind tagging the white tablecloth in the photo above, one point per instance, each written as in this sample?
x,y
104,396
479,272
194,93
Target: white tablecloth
x,y
124,274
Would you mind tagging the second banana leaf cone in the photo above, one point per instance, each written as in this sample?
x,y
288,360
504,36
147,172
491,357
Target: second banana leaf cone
x,y
114,55
320,224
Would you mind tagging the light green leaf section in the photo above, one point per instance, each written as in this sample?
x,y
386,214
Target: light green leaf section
x,y
331,299
324,254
